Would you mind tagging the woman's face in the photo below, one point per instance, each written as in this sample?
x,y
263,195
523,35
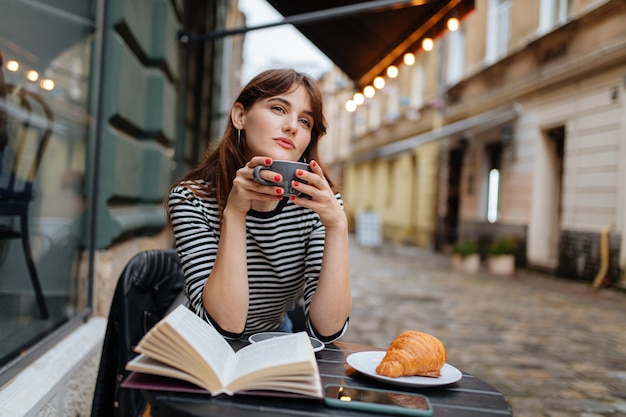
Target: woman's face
x,y
279,126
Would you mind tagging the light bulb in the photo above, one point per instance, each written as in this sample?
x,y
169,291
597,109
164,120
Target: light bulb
x,y
359,99
369,91
13,65
379,82
453,24
409,58
428,44
392,71
350,106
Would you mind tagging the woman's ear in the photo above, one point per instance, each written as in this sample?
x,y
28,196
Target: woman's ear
x,y
238,116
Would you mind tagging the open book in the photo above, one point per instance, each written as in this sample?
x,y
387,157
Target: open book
x,y
183,346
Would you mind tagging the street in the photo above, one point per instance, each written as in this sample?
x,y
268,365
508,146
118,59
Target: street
x,y
552,346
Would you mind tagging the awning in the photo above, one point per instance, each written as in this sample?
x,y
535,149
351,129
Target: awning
x,y
361,37
470,126
371,35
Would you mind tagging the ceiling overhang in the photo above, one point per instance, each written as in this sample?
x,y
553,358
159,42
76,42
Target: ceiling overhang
x,y
361,37
375,34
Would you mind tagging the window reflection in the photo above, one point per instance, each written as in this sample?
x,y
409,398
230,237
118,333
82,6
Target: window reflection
x,y
45,54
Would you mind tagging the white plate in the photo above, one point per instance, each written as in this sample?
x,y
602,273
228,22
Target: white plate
x,y
366,363
316,343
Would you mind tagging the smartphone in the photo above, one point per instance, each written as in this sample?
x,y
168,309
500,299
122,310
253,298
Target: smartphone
x,y
377,400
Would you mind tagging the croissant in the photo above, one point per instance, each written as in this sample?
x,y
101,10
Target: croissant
x,y
413,354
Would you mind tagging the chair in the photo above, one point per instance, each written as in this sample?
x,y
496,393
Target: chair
x,y
17,193
146,290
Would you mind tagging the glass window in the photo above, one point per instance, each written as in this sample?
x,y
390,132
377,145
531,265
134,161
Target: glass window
x,y
456,56
494,157
499,17
45,58
552,13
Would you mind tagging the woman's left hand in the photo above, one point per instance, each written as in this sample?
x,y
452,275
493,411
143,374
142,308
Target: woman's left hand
x,y
322,200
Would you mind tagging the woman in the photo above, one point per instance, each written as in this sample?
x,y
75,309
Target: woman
x,y
248,253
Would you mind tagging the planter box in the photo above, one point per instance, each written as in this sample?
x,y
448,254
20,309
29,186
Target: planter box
x,y
469,264
501,265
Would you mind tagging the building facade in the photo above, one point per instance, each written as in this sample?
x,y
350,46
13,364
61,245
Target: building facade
x,y
513,125
122,105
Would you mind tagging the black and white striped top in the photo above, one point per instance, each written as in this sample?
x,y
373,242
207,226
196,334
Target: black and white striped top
x,y
285,248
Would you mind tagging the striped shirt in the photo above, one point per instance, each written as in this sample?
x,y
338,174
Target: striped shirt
x,y
284,256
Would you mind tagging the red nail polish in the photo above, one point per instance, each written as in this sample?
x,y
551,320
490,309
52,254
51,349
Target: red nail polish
x,y
299,173
292,197
296,183
279,191
268,161
313,163
277,178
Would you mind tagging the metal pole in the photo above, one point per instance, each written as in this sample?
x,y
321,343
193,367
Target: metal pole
x,y
317,16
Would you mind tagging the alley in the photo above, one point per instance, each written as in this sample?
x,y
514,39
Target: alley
x,y
554,347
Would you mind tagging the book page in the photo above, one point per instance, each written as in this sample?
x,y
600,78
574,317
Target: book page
x,y
200,346
273,359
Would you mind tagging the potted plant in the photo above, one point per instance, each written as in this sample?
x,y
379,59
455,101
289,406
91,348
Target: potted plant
x,y
465,257
501,256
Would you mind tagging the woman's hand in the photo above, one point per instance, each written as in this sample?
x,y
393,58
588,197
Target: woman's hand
x,y
246,189
322,200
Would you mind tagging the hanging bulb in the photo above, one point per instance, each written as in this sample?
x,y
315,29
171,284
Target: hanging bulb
x,y
409,58
427,44
453,24
392,71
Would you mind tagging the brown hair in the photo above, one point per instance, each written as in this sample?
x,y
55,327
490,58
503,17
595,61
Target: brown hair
x,y
218,168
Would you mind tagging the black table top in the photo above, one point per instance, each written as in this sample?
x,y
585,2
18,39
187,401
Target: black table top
x,y
469,397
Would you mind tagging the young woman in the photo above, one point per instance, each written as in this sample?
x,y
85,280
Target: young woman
x,y
248,253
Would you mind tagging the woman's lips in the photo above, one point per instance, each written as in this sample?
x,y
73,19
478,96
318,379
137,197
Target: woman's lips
x,y
285,143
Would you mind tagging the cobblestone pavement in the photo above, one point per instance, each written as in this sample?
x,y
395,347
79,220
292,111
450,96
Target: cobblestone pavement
x,y
554,347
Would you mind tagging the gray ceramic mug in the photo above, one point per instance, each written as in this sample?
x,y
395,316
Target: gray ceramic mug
x,y
287,170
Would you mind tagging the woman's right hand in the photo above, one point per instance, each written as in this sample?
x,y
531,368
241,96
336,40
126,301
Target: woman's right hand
x,y
246,189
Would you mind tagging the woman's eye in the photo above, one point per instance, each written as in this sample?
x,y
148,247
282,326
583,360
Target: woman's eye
x,y
305,122
278,109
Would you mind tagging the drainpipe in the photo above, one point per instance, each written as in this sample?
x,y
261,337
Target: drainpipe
x,y
604,257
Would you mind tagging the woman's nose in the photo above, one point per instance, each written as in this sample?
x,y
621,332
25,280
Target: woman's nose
x,y
291,126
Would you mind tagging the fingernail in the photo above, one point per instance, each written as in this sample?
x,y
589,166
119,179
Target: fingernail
x,y
279,191
313,163
296,183
292,197
299,173
268,161
277,178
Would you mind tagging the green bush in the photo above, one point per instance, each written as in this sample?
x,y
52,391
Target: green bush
x,y
465,247
502,246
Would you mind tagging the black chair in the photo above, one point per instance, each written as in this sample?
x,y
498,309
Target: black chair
x,y
150,283
28,147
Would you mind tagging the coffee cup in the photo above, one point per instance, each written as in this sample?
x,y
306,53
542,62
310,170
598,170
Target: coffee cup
x,y
287,170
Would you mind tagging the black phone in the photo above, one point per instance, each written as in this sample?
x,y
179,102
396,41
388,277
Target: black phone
x,y
377,400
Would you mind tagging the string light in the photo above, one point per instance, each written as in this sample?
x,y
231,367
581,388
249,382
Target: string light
x,y
427,44
350,106
453,24
12,65
369,91
358,99
46,84
392,71
409,58
379,82
32,75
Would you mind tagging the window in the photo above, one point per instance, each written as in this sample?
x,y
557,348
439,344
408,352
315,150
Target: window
x,y
552,13
416,99
45,64
494,155
499,17
456,57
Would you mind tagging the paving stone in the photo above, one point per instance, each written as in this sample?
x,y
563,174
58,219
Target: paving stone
x,y
553,346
